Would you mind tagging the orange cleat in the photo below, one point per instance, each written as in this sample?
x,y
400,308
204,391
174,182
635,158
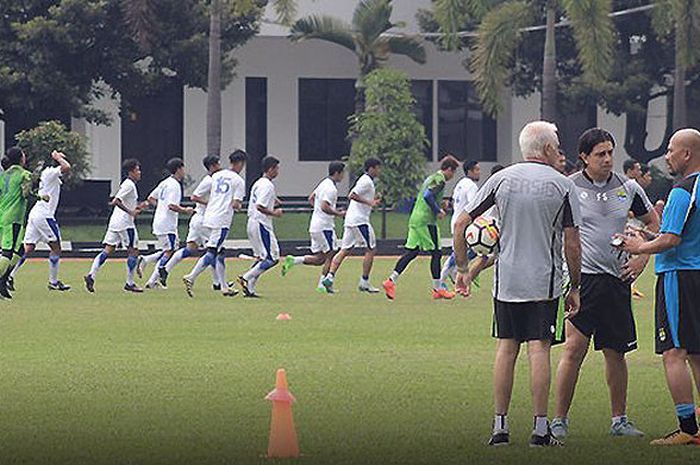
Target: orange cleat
x,y
389,289
443,293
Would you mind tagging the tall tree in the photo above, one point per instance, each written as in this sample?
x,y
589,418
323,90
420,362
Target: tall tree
x,y
367,36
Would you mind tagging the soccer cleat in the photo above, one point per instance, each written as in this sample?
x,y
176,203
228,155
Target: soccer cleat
x,y
189,285
58,286
140,265
443,293
389,289
152,286
11,284
230,293
244,285
287,264
324,290
89,283
368,288
217,287
624,428
252,295
559,428
4,292
163,277
545,441
499,439
327,283
676,438
132,288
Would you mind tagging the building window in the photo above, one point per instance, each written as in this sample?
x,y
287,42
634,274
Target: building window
x,y
464,130
255,126
324,108
423,93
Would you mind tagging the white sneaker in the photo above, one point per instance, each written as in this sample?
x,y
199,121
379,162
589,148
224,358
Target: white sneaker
x,y
368,288
559,427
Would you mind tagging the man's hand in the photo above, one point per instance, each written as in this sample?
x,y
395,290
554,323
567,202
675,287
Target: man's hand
x,y
631,243
441,214
189,210
376,202
463,284
57,155
572,303
634,267
277,212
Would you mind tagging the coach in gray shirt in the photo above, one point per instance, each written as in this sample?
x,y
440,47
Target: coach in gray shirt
x,y
606,198
538,207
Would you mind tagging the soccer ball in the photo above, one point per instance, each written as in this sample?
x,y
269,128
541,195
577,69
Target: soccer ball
x,y
482,236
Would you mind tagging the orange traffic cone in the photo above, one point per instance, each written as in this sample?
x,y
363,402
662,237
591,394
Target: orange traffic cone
x,y
283,436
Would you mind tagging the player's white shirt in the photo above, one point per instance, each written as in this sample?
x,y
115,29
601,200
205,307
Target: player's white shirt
x,y
262,193
202,190
49,184
127,193
168,192
358,213
326,191
226,186
464,192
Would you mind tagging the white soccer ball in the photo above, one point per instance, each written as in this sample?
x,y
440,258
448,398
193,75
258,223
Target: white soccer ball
x,y
482,236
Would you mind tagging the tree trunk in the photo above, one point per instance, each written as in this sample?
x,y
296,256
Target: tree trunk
x,y
214,81
549,67
680,103
359,96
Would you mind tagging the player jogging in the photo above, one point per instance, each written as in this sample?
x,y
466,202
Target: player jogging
x,y
42,225
423,231
358,231
322,226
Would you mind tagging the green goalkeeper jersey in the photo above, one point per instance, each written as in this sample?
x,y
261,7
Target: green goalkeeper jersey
x,y
15,187
422,213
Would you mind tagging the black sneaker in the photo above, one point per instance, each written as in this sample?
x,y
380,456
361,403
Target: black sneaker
x,y
89,283
58,286
545,441
244,285
4,292
132,288
163,277
189,285
11,284
216,287
499,439
230,293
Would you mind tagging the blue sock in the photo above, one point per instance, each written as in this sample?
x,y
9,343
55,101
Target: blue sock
x,y
131,262
210,258
686,418
186,253
102,257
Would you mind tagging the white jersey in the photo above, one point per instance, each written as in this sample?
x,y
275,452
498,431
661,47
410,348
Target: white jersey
x,y
326,191
358,213
226,187
464,192
202,190
262,193
49,184
168,192
127,193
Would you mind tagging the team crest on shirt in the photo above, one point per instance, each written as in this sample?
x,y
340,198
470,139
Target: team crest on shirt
x,y
584,195
662,334
622,194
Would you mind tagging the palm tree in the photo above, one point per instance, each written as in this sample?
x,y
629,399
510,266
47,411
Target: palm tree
x,y
680,20
500,31
367,36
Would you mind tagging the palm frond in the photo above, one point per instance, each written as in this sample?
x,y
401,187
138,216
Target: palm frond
x,y
372,18
450,15
140,16
496,43
325,28
594,33
407,46
286,11
679,20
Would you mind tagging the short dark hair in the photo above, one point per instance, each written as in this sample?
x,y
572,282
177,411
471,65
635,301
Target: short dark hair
x,y
335,167
645,169
14,156
129,165
569,167
628,165
592,137
5,163
210,160
469,165
238,156
449,162
268,163
174,164
496,168
371,163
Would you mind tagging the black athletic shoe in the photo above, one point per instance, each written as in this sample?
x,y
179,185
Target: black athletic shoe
x,y
163,275
89,283
244,285
4,292
216,287
499,439
58,286
545,441
230,293
11,284
132,288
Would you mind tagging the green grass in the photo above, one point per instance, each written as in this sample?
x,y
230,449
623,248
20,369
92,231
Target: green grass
x,y
290,226
114,378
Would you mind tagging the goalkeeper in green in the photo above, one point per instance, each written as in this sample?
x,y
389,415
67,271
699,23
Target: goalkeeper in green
x,y
15,190
423,231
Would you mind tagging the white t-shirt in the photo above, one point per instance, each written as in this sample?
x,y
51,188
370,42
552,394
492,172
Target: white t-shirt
x,y
127,193
358,213
202,190
226,186
168,192
326,191
262,193
464,192
49,184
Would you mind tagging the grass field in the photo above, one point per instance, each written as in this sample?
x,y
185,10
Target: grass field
x,y
114,378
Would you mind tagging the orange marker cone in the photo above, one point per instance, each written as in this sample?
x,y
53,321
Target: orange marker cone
x,y
284,316
283,436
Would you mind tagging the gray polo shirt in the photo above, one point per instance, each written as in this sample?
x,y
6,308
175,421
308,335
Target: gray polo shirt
x,y
535,203
604,211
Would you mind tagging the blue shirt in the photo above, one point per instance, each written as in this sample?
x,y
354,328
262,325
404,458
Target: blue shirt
x,y
681,217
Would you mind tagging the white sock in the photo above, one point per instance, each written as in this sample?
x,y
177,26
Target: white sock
x,y
436,283
17,267
154,277
251,285
298,260
130,275
174,260
254,272
53,268
97,263
541,426
500,424
446,271
320,281
394,276
220,271
215,277
154,257
199,268
619,419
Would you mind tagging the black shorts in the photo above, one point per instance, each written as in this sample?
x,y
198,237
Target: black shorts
x,y
678,311
525,321
606,313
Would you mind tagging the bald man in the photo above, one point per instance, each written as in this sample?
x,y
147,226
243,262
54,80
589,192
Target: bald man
x,y
678,285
